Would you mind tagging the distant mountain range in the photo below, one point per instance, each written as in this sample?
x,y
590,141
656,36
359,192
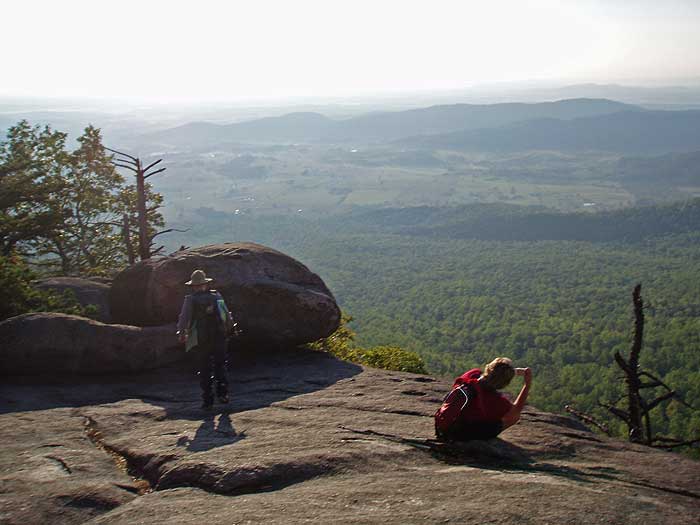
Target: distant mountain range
x,y
382,126
640,132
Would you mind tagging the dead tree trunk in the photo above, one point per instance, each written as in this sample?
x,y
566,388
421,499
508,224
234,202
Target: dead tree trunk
x,y
126,234
134,164
631,370
144,244
637,415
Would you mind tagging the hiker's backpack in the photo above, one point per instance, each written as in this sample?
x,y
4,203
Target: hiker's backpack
x,y
453,404
207,318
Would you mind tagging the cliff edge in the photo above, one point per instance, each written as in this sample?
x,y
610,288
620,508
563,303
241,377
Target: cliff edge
x,y
307,437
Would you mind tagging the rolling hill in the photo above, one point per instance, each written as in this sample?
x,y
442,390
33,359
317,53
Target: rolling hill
x,y
379,127
638,132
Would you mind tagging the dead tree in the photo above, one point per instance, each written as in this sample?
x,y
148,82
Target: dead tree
x,y
126,234
145,238
637,413
633,415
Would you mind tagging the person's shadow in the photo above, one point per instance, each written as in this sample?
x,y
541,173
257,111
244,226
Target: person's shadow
x,y
212,434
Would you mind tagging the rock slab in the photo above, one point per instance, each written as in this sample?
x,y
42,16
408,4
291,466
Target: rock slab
x,y
309,439
50,343
274,297
87,292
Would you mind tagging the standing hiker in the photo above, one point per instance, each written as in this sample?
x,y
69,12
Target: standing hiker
x,y
203,325
474,409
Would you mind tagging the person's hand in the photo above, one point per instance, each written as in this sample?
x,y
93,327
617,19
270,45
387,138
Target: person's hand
x,y
527,373
182,336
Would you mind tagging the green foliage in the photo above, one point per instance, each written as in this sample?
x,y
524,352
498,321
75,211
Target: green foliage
x,y
67,209
391,358
87,242
32,165
19,296
341,344
560,307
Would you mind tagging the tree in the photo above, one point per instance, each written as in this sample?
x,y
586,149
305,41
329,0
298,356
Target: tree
x,y
141,206
32,165
637,413
87,242
129,212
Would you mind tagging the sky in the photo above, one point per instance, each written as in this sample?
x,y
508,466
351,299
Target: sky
x,y
265,49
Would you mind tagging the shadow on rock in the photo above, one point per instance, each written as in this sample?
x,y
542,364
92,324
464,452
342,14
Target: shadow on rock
x,y
498,454
257,378
212,434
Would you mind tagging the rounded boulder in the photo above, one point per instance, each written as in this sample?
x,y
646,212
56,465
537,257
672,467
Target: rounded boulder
x,y
87,291
273,297
50,343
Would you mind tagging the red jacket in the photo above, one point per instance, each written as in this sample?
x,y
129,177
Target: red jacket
x,y
488,405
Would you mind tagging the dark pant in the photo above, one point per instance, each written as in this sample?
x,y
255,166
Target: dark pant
x,y
211,368
467,431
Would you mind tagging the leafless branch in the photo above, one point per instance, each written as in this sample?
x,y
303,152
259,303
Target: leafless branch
x,y
169,230
587,418
622,363
660,399
153,173
151,165
622,414
664,442
121,153
125,166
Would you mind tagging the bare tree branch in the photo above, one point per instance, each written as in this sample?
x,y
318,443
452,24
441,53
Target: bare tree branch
x,y
673,443
587,418
121,153
660,399
169,230
125,166
622,414
151,165
155,172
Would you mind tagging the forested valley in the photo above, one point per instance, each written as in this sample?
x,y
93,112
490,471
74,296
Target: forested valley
x,y
451,255
560,305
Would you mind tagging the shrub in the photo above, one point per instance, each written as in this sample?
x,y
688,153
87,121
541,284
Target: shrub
x,y
341,344
19,296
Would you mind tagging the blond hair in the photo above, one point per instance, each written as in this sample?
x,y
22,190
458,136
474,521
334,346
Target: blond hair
x,y
499,373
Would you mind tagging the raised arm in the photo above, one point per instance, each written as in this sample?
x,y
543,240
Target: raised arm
x,y
513,415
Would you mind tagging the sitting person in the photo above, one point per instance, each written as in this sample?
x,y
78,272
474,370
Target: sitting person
x,y
474,409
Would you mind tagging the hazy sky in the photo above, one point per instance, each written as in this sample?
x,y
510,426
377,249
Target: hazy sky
x,y
205,49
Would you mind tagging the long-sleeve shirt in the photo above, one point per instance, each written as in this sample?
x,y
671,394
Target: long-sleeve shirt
x,y
185,319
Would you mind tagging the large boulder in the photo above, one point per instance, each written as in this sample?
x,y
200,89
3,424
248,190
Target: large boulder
x,y
274,297
58,343
87,292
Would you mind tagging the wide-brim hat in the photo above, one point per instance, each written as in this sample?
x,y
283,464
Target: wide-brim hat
x,y
198,277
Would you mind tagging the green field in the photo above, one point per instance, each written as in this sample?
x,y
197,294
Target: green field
x,y
322,180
